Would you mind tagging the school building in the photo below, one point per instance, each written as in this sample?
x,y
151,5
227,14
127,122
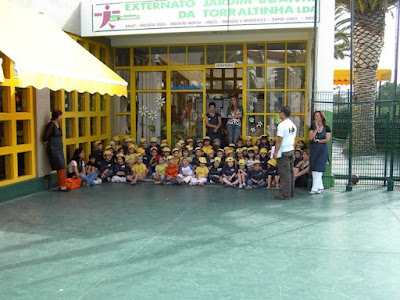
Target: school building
x,y
150,68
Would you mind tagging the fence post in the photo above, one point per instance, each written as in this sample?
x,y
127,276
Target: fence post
x,y
386,145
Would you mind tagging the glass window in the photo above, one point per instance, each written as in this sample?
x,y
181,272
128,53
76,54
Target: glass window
x,y
81,102
234,54
68,101
255,125
126,75
272,125
5,128
299,122
69,128
141,56
296,101
93,126
196,55
23,163
159,56
217,85
255,78
5,167
187,80
23,132
275,101
215,54
20,100
187,122
93,101
150,80
296,77
103,103
177,55
151,115
296,52
123,104
122,57
275,53
123,124
104,125
275,77
255,102
82,127
255,53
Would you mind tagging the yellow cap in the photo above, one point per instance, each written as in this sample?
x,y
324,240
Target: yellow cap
x,y
141,150
96,143
153,140
257,162
232,145
220,150
131,146
202,160
153,148
199,141
142,140
272,162
197,148
120,155
189,141
190,148
108,147
242,162
256,148
230,159
182,142
239,150
116,138
244,149
112,143
217,159
175,149
163,145
248,138
127,137
208,151
107,152
169,157
206,138
166,149
263,150
164,141
228,151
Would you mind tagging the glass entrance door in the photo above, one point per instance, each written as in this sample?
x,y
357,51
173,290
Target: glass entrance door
x,y
220,85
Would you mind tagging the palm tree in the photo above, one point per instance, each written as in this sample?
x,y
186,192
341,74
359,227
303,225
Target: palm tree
x,y
369,32
342,33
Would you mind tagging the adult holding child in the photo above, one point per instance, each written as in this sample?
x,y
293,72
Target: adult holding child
x,y
320,135
284,153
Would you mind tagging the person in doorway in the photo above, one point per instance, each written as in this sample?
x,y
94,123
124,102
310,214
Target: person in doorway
x,y
53,139
190,119
284,153
213,123
320,135
234,124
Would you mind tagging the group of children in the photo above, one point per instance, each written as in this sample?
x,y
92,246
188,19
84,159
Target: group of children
x,y
194,163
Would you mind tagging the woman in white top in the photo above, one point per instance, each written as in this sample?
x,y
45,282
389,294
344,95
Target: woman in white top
x,y
234,124
76,168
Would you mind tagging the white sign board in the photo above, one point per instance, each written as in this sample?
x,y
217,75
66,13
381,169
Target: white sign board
x,y
224,65
105,18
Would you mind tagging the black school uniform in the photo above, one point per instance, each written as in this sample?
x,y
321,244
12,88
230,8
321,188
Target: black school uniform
x,y
263,162
118,168
213,173
229,171
107,165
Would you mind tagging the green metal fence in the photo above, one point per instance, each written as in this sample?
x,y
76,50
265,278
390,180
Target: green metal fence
x,y
365,147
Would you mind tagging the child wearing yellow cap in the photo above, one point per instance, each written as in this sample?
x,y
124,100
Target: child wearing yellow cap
x,y
256,177
98,152
106,166
120,169
242,173
201,173
186,171
171,172
159,173
272,174
215,173
139,171
229,173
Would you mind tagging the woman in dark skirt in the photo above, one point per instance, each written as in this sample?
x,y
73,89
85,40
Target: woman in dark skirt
x,y
53,139
320,135
213,123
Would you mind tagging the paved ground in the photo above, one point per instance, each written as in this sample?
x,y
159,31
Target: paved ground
x,y
162,242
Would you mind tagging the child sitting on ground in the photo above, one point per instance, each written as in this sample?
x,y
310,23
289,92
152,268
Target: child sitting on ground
x,y
215,173
256,177
92,166
301,171
272,174
159,173
171,172
106,166
229,173
201,173
186,171
139,171
242,173
120,169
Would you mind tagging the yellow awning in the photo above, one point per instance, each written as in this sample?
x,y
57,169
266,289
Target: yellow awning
x,y
342,77
45,56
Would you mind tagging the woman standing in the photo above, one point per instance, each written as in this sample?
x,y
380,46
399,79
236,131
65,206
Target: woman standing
x,y
53,139
320,135
234,124
213,123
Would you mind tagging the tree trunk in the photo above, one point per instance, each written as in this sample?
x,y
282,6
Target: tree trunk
x,y
369,31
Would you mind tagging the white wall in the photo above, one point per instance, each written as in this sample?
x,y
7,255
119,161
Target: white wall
x,y
65,13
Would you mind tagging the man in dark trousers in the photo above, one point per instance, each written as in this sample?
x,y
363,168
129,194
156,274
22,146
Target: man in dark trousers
x,y
284,153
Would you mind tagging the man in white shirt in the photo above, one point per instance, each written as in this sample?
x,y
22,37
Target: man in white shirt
x,y
284,153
